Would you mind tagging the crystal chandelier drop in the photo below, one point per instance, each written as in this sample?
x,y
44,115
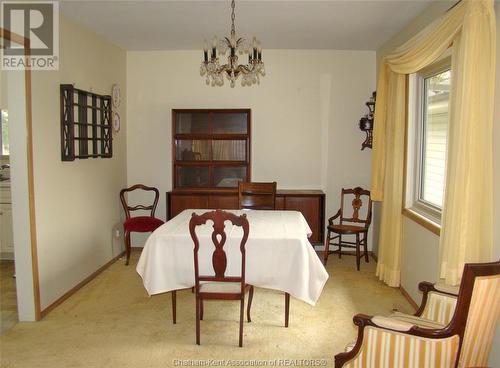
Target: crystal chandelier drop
x,y
214,72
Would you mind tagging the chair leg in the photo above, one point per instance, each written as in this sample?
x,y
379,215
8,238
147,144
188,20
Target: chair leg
x,y
201,309
340,245
127,247
367,260
174,306
242,309
287,308
327,248
358,256
197,320
249,306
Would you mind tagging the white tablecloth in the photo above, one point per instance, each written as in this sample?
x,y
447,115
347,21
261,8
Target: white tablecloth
x,y
278,254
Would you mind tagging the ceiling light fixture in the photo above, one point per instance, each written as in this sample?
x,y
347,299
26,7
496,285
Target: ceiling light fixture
x,y
214,72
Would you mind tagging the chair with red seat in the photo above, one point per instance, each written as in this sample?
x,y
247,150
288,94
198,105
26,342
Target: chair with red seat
x,y
139,224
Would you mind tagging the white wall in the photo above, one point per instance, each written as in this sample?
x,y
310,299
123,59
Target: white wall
x,y
14,96
420,254
305,117
77,204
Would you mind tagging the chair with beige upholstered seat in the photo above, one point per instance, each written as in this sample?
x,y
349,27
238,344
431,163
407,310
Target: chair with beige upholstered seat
x,y
356,224
437,307
430,339
219,286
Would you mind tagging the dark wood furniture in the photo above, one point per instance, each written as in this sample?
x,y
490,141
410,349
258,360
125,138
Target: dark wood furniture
x,y
257,196
353,225
140,224
261,196
366,122
210,147
476,311
86,124
311,203
219,286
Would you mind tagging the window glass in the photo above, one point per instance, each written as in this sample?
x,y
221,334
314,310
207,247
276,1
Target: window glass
x,y
436,96
4,140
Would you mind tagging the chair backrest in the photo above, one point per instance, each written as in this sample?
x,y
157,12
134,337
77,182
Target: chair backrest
x,y
357,194
257,196
477,313
218,237
151,207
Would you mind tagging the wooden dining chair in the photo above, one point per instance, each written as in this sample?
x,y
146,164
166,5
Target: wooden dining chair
x,y
352,224
463,341
140,224
257,196
218,286
261,196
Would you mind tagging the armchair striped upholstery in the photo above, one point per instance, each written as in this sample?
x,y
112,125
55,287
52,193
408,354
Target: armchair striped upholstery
x,y
437,307
440,307
447,331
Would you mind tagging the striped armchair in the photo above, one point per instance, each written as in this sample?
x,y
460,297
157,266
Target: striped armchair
x,y
437,307
447,331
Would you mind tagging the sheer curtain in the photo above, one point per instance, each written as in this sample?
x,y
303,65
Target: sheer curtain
x,y
467,227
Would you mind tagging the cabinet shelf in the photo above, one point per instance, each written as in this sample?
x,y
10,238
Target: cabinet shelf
x,y
210,148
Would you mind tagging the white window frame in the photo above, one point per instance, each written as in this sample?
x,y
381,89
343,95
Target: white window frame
x,y
415,136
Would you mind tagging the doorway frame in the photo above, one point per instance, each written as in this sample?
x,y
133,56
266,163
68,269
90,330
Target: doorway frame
x,y
13,37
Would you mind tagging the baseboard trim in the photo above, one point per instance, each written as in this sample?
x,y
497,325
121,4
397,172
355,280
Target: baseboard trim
x,y
408,298
375,258
81,284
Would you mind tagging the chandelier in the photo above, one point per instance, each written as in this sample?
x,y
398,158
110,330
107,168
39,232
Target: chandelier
x,y
214,72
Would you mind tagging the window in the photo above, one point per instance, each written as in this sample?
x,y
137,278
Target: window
x,y
428,114
4,137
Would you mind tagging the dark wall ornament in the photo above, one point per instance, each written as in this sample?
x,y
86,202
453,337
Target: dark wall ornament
x,y
366,122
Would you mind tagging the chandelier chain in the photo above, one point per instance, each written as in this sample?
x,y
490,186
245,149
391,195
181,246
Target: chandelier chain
x,y
233,32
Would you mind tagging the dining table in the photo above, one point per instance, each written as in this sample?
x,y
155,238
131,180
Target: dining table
x,y
279,255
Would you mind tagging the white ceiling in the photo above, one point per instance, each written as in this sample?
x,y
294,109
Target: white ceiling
x,y
279,24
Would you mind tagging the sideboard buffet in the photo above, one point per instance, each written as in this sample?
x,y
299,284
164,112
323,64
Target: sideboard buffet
x,y
311,203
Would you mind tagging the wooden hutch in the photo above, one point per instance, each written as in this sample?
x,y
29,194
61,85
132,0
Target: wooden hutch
x,y
211,153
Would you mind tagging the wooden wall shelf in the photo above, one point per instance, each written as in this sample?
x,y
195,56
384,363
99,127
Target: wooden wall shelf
x,y
86,130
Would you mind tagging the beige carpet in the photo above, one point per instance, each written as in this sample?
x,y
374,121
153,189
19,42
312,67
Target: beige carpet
x,y
8,299
112,322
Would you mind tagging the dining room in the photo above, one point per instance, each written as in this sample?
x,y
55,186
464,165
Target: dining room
x,y
247,183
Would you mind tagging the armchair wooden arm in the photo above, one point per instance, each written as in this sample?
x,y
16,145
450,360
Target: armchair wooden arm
x,y
334,217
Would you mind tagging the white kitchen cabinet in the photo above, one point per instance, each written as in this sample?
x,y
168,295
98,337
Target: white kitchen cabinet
x,y
6,238
6,235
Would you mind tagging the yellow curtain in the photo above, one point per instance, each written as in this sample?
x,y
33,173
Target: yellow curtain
x,y
466,233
